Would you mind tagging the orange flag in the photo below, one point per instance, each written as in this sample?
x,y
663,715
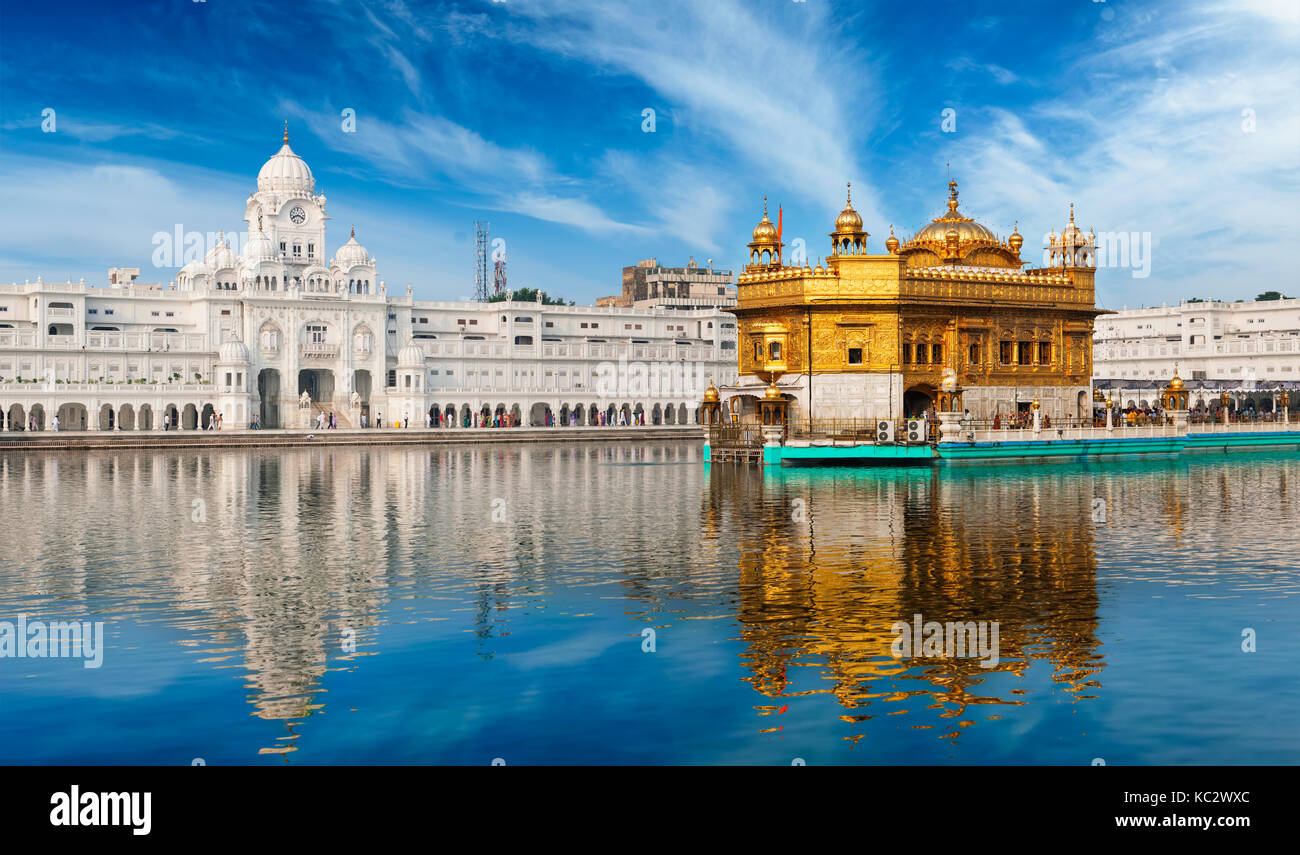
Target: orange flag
x,y
778,234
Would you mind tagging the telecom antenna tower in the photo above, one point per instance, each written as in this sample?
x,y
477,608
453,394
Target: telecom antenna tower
x,y
480,260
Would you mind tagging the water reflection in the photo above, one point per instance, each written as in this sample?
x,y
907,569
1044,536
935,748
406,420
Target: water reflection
x,y
839,556
464,572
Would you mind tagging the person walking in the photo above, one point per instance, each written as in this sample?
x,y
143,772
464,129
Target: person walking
x,y
54,422
167,421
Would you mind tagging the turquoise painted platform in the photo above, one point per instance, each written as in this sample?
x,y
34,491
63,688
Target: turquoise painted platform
x,y
1070,449
1022,450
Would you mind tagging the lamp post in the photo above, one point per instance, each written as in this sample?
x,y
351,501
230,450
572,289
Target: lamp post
x,y
1285,400
1110,416
1223,402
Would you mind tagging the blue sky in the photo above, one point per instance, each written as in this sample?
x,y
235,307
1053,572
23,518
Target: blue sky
x,y
1175,119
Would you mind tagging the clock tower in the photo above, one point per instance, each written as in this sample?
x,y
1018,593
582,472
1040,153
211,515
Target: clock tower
x,y
287,211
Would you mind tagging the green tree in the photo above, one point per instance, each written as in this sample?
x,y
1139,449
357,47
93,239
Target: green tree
x,y
528,295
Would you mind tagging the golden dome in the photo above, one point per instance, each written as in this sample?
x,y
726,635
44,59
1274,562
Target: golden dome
x,y
1176,384
772,393
765,231
967,230
891,243
711,393
849,221
1016,241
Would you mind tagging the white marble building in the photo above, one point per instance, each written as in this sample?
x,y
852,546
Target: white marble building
x,y
281,332
1249,349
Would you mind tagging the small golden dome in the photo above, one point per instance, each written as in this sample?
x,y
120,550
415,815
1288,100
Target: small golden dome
x,y
772,393
1176,384
954,222
891,243
1016,241
765,231
711,393
849,221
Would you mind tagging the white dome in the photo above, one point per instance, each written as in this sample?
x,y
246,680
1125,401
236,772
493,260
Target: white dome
x,y
286,173
258,249
411,355
351,254
195,268
233,351
220,256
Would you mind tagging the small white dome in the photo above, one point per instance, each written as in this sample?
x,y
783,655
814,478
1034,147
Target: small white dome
x,y
286,173
352,254
195,268
220,256
233,351
258,249
411,355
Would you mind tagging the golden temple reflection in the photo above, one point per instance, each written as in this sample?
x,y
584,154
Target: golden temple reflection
x,y
822,586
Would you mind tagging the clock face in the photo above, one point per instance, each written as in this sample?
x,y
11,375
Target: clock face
x,y
298,215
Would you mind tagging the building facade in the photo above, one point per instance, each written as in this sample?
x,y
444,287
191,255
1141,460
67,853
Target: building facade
x,y
875,336
280,332
1249,349
647,284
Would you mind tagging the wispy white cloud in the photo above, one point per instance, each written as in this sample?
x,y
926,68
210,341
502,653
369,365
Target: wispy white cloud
x,y
784,100
1184,126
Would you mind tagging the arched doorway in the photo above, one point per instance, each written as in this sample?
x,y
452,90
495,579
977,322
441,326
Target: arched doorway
x,y
917,400
361,384
209,413
318,383
537,414
106,417
126,417
190,417
73,417
37,416
17,417
268,391
145,419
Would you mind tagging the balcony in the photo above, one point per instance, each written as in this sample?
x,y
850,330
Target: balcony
x,y
59,312
319,350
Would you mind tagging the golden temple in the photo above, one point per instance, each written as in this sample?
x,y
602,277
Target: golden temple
x,y
954,307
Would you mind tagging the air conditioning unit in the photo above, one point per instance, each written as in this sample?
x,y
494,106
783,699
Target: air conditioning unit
x,y
884,431
916,430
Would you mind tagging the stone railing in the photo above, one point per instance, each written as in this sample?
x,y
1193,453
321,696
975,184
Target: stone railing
x,y
319,350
